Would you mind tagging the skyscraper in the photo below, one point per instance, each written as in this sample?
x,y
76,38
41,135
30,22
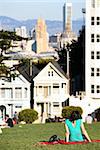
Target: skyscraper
x,y
67,17
92,64
41,36
68,35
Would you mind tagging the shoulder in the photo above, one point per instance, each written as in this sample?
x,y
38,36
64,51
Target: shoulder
x,y
67,121
80,121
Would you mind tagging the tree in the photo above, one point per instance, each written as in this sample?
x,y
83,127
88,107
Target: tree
x,y
5,43
63,59
5,39
77,62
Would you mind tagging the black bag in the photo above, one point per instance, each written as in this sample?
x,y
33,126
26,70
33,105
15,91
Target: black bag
x,y
54,138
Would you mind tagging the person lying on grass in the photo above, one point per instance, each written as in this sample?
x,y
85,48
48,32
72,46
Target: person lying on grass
x,y
75,128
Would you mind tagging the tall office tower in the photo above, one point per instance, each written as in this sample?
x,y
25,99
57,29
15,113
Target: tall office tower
x,y
67,17
68,35
92,53
41,36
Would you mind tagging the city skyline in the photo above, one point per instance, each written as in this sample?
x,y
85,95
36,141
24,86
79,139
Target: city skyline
x,y
46,9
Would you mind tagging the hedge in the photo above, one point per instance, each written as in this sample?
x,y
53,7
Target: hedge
x,y
66,111
28,115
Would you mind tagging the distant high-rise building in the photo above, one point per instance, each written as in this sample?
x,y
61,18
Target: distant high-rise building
x,y
67,17
67,36
92,56
21,31
41,36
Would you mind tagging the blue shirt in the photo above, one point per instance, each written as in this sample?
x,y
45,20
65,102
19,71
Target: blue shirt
x,y
75,131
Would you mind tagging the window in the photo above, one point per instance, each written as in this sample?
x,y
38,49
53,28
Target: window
x,y
55,88
40,89
45,91
18,92
9,93
63,85
98,55
92,20
50,73
92,55
25,92
92,37
6,93
3,92
55,104
56,107
98,37
92,88
49,91
98,20
98,89
18,106
92,71
98,72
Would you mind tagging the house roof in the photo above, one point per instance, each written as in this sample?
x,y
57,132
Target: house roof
x,y
30,72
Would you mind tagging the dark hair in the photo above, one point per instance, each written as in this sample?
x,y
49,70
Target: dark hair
x,y
7,115
75,115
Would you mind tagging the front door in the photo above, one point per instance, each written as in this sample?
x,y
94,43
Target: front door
x,y
40,108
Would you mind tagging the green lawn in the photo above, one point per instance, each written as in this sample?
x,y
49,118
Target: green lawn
x,y
24,138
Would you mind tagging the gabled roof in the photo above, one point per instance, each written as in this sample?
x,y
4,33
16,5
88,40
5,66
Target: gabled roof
x,y
30,72
59,68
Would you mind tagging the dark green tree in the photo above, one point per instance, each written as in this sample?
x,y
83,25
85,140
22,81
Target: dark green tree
x,y
63,59
5,43
77,63
5,40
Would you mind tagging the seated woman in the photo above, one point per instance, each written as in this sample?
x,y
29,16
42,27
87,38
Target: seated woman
x,y
75,128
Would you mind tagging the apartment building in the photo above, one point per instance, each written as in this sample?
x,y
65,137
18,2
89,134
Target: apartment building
x,y
92,49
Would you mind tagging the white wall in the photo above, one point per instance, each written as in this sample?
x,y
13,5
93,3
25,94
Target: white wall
x,y
88,105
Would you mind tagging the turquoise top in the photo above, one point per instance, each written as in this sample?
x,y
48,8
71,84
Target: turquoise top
x,y
75,131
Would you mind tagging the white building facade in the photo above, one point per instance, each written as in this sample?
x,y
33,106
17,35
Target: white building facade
x,y
91,98
92,56
14,95
93,49
51,88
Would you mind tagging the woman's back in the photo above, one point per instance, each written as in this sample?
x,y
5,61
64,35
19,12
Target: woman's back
x,y
74,129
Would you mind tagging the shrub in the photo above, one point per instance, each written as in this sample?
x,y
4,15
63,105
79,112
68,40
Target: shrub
x,y
28,115
66,111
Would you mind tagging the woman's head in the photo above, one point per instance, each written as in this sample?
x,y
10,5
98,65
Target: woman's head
x,y
75,115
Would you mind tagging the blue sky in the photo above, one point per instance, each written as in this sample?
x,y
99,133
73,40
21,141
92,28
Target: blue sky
x,y
33,9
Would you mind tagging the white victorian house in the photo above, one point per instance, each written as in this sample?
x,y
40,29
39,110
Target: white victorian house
x,y
14,95
51,89
42,87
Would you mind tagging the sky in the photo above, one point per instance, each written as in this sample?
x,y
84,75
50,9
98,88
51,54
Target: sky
x,y
33,9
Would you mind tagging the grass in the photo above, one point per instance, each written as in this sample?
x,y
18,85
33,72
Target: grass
x,y
27,137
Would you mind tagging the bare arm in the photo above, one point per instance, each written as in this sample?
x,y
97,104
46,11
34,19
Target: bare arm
x,y
67,133
85,132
